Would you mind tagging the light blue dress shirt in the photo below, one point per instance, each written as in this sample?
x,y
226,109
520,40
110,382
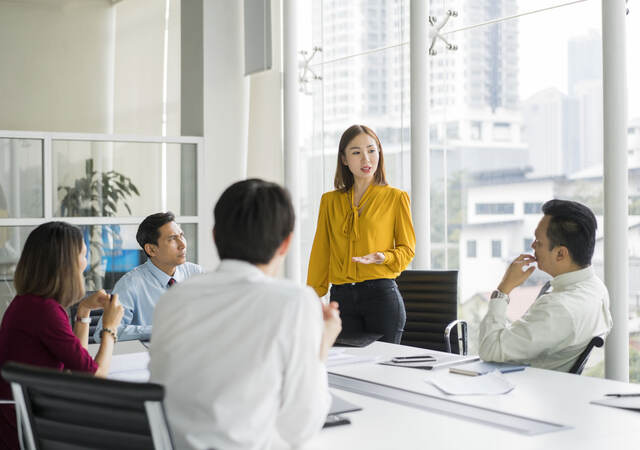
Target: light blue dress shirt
x,y
138,291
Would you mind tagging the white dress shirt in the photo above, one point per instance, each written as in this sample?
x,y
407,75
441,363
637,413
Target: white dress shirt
x,y
238,353
555,329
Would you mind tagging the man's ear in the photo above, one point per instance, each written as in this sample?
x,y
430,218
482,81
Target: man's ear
x,y
150,249
284,247
562,253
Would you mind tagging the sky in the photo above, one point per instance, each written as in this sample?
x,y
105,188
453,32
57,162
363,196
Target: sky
x,y
543,39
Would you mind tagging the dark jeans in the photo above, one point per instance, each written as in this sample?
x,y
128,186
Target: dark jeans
x,y
373,306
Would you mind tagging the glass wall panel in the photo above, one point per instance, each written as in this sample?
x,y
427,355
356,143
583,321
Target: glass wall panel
x,y
21,178
350,28
103,179
527,116
370,89
633,148
112,251
12,240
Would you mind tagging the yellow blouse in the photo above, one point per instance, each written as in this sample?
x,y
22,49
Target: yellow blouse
x,y
381,223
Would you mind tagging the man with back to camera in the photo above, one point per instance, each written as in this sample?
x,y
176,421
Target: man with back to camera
x,y
241,353
561,322
165,245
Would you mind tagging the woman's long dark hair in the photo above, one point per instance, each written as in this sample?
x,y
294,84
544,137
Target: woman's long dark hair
x,y
49,266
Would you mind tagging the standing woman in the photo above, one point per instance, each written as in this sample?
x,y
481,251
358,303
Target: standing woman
x,y
364,240
35,328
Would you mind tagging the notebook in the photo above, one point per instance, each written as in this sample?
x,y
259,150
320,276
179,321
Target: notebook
x,y
357,339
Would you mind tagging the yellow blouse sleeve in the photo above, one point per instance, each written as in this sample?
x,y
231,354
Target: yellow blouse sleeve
x,y
398,258
318,271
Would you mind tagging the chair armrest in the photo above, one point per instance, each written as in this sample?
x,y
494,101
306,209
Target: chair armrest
x,y
462,337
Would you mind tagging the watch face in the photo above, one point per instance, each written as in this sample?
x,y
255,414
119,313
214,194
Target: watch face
x,y
496,294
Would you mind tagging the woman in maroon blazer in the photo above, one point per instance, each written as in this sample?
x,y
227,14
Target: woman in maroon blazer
x,y
35,328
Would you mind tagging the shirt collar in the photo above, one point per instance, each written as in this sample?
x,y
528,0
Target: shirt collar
x,y
162,277
569,278
240,267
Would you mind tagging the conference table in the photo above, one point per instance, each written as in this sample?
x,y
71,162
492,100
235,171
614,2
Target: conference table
x,y
560,400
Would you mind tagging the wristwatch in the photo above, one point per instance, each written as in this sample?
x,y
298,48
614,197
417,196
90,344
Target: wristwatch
x,y
83,319
498,294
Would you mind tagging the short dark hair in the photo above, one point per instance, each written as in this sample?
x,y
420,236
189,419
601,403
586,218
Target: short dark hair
x,y
49,266
252,219
148,230
572,225
343,179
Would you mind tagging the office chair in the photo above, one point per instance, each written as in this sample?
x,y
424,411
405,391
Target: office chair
x,y
431,300
57,410
578,366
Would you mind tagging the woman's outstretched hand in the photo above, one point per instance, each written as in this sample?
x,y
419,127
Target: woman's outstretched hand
x,y
371,258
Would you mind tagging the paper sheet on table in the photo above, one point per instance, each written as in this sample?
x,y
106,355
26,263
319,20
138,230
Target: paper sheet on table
x,y
493,383
130,367
338,357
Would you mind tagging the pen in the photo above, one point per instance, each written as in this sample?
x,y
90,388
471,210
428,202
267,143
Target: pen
x,y
634,394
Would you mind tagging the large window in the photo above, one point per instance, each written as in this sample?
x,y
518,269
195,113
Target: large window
x,y
515,119
364,66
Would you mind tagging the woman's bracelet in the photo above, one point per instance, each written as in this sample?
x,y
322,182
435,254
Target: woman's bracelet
x,y
111,332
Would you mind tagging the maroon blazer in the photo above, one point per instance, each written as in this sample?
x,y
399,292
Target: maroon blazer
x,y
36,330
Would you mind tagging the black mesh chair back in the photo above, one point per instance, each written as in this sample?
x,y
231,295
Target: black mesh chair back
x,y
578,366
431,300
77,411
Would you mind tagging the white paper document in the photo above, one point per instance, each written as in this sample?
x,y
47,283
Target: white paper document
x,y
130,367
493,383
338,357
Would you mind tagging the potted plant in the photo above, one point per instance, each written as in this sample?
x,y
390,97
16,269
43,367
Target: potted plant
x,y
97,194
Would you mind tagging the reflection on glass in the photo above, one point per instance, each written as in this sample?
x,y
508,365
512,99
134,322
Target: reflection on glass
x,y
112,251
118,179
20,178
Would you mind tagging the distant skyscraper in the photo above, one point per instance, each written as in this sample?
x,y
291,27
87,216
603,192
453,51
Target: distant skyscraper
x,y
584,60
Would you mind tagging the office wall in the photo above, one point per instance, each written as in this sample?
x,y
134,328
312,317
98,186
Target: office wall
x,y
265,151
242,115
56,65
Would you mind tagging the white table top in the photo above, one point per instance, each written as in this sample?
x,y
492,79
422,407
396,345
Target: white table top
x,y
540,394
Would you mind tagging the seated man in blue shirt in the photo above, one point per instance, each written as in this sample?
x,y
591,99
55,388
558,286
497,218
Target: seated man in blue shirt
x,y
166,248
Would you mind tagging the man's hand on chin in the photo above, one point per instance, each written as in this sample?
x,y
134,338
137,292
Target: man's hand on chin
x,y
517,273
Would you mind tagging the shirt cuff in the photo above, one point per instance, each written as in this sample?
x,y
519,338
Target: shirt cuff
x,y
389,258
498,306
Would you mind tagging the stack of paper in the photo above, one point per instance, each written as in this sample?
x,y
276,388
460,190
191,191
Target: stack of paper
x,y
130,367
338,357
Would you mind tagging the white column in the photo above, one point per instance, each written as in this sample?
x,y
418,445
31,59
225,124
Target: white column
x,y
616,263
226,109
290,125
420,177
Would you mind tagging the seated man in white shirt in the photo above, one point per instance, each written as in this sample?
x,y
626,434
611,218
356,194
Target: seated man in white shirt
x,y
561,322
241,353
